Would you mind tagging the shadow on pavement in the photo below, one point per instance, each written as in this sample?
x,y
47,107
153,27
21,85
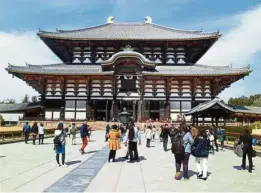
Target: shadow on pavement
x,y
2,156
240,168
93,151
193,173
73,162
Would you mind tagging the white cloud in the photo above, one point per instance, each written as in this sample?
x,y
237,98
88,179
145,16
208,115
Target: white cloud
x,y
238,46
18,48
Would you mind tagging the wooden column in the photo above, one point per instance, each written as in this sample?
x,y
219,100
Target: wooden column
x,y
62,110
107,111
244,120
140,110
89,110
42,111
196,120
134,111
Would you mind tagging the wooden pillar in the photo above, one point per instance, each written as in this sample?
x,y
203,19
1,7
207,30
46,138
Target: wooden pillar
x,y
107,113
217,118
89,110
203,120
42,110
244,121
62,110
196,120
140,110
134,111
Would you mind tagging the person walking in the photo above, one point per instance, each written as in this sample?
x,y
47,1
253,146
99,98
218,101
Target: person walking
x,y
222,138
247,139
165,137
214,131
73,132
132,137
26,130
153,132
84,134
41,133
114,142
59,144
211,139
34,132
68,131
107,130
182,140
201,153
148,136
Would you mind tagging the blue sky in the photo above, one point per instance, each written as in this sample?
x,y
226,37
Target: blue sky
x,y
238,20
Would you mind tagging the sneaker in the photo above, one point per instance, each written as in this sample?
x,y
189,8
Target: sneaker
x,y
64,166
177,175
58,165
205,178
200,175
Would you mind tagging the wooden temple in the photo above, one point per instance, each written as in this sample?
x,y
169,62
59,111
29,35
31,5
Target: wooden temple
x,y
150,69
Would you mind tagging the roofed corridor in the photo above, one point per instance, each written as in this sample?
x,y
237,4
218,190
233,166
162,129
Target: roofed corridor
x,y
33,168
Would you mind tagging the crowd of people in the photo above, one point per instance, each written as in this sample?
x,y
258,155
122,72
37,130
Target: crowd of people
x,y
185,141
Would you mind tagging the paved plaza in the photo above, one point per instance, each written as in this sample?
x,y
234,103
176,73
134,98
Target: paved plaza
x,y
28,168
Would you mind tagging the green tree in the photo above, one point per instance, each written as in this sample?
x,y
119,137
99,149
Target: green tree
x,y
34,99
257,102
8,101
26,99
2,121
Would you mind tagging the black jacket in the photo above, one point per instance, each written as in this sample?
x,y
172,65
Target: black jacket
x,y
247,141
165,132
34,129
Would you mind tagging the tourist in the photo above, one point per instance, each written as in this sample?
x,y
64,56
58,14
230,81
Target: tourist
x,y
84,134
246,138
107,130
181,147
26,130
211,139
68,131
165,137
153,132
34,132
73,132
160,133
122,132
89,132
139,134
222,138
214,131
201,152
41,133
132,137
148,135
114,143
59,144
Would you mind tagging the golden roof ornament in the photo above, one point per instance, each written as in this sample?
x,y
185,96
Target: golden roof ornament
x,y
110,19
148,20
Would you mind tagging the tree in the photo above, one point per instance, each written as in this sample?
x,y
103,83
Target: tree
x,y
34,99
26,99
8,101
257,102
2,121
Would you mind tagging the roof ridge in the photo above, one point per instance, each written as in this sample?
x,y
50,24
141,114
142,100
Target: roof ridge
x,y
182,30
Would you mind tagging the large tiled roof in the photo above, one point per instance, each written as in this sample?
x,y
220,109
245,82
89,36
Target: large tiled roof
x,y
84,69
231,108
129,31
5,108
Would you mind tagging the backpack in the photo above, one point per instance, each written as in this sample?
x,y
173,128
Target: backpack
x,y
57,141
200,150
178,144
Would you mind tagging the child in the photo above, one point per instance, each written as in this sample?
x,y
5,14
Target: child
x,y
73,131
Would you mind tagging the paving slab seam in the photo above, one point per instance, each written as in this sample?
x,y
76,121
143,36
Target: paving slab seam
x,y
118,179
79,178
46,171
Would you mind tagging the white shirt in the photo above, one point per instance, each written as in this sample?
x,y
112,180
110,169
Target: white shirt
x,y
148,134
41,130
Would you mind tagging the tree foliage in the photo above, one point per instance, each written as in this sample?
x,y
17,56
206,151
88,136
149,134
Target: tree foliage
x,y
34,99
253,100
1,120
8,101
26,99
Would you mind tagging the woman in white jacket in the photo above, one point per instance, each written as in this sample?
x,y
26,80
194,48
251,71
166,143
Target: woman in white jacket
x,y
148,135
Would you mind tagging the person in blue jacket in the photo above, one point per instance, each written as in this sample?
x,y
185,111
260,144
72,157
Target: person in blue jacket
x,y
26,130
84,134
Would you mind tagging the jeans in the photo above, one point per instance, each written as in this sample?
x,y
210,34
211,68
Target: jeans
x,y
165,144
179,158
133,150
26,136
41,137
148,143
34,138
202,166
247,153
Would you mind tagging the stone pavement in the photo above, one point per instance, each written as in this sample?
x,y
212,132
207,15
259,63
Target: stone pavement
x,y
28,168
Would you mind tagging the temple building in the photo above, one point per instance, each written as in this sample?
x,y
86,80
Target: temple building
x,y
150,69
